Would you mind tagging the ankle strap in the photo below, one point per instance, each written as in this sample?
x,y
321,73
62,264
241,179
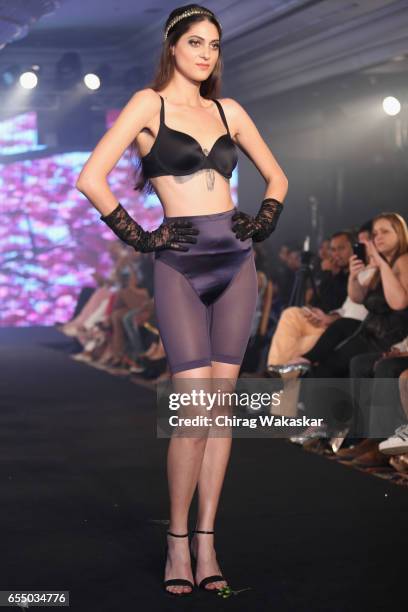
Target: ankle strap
x,y
177,535
200,531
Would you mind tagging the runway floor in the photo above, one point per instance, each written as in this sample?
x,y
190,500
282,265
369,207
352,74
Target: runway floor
x,y
84,504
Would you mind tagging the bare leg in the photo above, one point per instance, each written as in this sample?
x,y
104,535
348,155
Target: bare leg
x,y
151,350
184,459
91,305
211,478
159,352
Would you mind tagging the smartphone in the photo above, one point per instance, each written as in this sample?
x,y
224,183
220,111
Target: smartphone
x,y
359,250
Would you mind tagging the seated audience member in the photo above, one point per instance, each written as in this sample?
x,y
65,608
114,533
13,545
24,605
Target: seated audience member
x,y
283,272
299,328
280,263
152,362
155,364
378,409
378,412
128,298
146,271
397,444
337,326
384,294
364,231
133,322
101,294
322,264
325,257
332,290
342,322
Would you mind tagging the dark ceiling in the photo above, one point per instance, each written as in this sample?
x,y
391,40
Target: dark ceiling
x,y
269,46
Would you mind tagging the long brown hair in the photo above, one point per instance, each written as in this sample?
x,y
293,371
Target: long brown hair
x,y
210,88
400,227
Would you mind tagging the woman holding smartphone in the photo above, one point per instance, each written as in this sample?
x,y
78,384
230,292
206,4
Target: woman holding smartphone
x,y
384,294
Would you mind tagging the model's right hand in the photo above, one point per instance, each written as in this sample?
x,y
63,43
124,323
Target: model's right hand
x,y
172,235
166,236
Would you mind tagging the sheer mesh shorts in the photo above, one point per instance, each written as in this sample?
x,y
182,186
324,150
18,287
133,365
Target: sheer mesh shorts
x,y
205,298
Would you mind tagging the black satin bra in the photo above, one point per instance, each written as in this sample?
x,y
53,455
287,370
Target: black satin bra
x,y
177,153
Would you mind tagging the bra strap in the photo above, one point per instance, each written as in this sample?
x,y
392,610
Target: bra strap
x,y
161,109
224,119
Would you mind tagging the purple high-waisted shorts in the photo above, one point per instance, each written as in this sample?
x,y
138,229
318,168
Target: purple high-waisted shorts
x,y
205,298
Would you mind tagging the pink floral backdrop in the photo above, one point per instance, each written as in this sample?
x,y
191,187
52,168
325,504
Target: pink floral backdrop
x,y
51,238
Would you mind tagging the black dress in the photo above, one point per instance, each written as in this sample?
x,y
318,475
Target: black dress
x,y
381,329
383,326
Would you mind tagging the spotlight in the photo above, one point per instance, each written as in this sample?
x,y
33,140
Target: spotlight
x,y
92,81
391,105
28,80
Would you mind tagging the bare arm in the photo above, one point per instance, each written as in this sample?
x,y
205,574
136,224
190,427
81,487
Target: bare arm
x,y
356,292
395,282
253,145
92,181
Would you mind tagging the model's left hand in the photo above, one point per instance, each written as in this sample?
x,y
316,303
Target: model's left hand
x,y
245,226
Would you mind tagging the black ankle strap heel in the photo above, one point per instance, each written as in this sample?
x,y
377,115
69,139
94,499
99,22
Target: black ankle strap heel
x,y
176,581
207,579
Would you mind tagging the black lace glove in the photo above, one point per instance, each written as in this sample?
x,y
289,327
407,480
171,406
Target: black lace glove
x,y
166,236
260,227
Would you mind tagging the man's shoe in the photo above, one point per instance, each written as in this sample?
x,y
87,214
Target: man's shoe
x,y
396,444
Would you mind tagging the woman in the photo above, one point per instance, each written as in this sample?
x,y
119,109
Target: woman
x,y
205,283
384,294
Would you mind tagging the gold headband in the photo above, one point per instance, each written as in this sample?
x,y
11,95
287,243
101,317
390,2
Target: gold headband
x,y
188,13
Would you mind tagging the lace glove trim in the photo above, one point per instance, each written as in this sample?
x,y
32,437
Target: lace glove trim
x,y
172,235
260,227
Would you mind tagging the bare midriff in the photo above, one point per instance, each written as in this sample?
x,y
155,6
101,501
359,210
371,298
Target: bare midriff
x,y
190,195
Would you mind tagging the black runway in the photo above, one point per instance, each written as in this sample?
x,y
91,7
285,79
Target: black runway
x,y
84,503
